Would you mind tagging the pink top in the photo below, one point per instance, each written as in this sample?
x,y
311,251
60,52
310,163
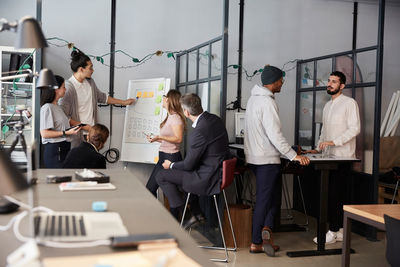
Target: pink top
x,y
166,130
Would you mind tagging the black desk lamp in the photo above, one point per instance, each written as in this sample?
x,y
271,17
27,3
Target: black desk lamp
x,y
29,32
11,178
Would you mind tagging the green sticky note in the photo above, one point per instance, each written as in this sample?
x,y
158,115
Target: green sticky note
x,y
160,87
157,111
158,99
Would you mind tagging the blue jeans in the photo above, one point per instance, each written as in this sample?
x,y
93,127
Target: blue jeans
x,y
152,185
267,198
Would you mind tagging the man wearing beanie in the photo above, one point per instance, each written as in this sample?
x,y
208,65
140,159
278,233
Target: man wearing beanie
x,y
264,143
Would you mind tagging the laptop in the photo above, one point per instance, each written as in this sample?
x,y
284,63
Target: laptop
x,y
78,226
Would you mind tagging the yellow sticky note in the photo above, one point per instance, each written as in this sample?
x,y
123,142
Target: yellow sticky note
x,y
151,94
160,87
145,94
139,94
157,111
159,99
155,159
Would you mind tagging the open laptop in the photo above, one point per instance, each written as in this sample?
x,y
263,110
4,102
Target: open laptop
x,y
78,226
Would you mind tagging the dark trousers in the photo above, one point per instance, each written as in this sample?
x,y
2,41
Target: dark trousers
x,y
267,197
55,154
339,181
170,182
152,185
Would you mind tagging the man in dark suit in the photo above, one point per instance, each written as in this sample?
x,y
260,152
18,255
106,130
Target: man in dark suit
x,y
200,171
87,155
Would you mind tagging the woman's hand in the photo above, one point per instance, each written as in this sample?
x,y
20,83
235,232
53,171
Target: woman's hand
x,y
73,131
152,138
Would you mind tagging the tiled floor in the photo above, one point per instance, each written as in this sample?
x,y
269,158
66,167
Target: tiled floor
x,y
367,253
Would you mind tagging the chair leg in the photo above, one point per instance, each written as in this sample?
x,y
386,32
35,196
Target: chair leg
x,y
222,233
302,200
230,222
184,210
395,191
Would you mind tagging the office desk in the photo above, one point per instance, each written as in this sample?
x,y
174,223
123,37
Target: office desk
x,y
139,210
368,214
325,165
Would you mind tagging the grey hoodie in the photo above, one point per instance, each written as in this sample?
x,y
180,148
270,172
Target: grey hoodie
x,y
263,138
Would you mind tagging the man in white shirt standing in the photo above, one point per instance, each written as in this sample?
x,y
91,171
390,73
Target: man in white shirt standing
x,y
83,95
264,143
340,126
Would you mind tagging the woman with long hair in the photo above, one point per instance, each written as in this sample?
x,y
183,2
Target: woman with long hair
x,y
55,126
171,135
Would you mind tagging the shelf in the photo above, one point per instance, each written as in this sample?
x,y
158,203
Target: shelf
x,y
12,97
18,83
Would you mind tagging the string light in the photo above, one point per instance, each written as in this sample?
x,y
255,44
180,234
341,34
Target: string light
x,y
170,54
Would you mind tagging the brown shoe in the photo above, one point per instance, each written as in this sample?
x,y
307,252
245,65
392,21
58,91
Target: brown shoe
x,y
262,248
256,248
266,235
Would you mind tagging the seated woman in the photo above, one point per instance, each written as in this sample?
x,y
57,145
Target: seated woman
x,y
87,155
171,136
53,126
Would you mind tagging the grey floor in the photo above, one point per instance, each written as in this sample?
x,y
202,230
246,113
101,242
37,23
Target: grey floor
x,y
367,253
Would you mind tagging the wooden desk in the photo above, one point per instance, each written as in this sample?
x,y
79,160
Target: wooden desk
x,y
325,165
139,210
368,214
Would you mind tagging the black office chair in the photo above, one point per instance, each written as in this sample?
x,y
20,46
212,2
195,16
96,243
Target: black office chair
x,y
392,226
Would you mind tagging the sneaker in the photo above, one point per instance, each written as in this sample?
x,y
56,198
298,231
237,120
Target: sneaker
x,y
330,238
339,235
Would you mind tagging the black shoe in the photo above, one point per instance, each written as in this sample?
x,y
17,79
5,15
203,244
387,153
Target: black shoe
x,y
195,219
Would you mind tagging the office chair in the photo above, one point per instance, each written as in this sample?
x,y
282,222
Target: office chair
x,y
228,170
392,226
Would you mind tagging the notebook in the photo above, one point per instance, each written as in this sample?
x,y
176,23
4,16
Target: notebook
x,y
78,226
85,186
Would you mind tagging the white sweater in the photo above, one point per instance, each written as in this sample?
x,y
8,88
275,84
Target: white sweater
x,y
263,138
341,124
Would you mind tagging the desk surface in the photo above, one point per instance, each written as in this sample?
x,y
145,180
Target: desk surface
x,y
374,212
139,210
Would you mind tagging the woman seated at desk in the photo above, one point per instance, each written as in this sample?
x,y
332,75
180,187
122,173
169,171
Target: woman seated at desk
x,y
171,136
53,125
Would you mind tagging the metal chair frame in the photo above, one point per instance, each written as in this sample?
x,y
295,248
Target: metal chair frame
x,y
220,227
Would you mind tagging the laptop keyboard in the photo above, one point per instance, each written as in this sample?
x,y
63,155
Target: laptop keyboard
x,y
59,225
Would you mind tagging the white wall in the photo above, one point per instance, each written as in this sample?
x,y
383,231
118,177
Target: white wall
x,y
275,32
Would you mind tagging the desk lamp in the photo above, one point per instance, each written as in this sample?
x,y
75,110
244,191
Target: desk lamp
x,y
29,33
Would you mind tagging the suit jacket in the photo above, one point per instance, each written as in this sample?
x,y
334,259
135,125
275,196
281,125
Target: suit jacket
x,y
84,156
208,149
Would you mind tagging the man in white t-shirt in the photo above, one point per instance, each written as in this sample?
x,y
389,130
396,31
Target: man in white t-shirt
x,y
83,95
340,126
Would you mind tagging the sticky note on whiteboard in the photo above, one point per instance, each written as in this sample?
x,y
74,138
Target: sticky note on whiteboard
x,y
160,87
158,99
157,111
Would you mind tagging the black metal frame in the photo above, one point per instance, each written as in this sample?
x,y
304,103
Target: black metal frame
x,y
224,63
315,89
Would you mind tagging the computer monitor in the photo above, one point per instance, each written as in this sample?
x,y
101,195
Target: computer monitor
x,y
239,127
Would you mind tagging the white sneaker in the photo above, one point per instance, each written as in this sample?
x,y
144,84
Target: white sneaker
x,y
330,238
339,235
